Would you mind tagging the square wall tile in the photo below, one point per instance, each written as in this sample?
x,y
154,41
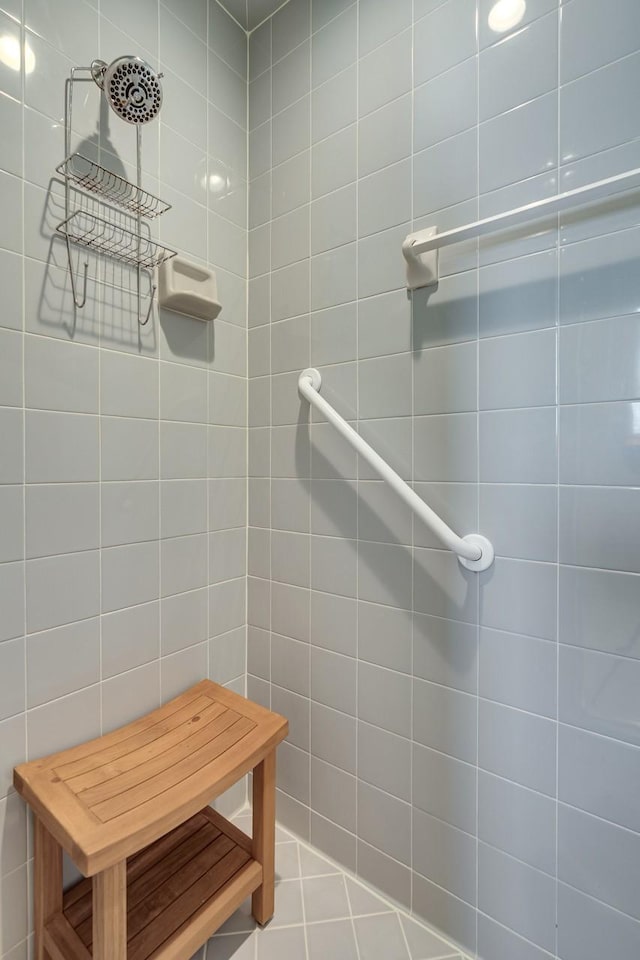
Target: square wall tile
x,y
529,57
385,74
518,896
519,144
444,38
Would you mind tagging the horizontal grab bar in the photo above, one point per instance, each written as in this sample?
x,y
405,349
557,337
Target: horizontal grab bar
x,y
424,272
473,551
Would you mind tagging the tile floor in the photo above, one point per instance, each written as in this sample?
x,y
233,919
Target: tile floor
x,y
322,913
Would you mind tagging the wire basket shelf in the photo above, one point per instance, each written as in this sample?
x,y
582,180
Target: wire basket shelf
x,y
113,240
91,176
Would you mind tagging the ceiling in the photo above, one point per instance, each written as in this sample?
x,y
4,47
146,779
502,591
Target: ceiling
x,y
250,13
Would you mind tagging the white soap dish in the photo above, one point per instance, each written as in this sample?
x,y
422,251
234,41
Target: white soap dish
x,y
186,287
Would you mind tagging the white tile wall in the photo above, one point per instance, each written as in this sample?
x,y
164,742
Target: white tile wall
x,y
109,428
445,727
439,722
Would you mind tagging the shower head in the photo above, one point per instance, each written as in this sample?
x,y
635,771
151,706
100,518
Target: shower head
x,y
132,89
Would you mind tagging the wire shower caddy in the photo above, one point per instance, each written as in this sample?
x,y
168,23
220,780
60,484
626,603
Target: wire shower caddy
x,y
103,235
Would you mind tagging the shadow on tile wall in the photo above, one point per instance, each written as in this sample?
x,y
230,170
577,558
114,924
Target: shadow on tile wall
x,y
444,726
123,472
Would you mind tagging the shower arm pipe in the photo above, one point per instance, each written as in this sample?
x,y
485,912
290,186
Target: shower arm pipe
x,y
79,302
152,285
474,551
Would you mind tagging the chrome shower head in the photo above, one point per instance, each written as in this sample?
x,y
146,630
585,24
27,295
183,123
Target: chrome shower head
x,y
132,89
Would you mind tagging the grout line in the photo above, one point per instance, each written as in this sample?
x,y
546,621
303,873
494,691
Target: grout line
x,y
270,480
23,325
99,308
392,907
208,375
413,480
477,467
268,17
247,393
310,427
544,954
358,462
352,918
558,544
101,523
304,913
595,70
231,16
535,19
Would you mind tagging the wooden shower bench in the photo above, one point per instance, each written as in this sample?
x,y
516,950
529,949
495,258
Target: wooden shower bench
x,y
131,809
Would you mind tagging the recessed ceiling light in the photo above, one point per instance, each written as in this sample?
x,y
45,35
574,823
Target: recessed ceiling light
x,y
29,59
218,183
506,14
10,54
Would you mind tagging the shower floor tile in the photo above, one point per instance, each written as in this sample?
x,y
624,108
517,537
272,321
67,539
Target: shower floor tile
x,y
323,913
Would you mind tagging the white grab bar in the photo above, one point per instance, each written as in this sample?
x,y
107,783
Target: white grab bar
x,y
421,249
474,551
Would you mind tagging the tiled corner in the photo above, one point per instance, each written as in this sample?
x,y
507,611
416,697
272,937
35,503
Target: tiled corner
x,y
509,395
321,910
123,489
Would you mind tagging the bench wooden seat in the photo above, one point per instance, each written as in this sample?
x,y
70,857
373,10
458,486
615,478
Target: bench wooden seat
x,y
130,808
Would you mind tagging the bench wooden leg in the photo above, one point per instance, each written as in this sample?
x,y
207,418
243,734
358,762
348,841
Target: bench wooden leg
x,y
264,836
110,913
47,882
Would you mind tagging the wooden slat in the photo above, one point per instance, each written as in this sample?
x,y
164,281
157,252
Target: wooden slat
x,y
62,942
248,708
120,826
199,927
160,899
152,901
77,900
146,770
138,753
229,829
142,884
177,774
170,865
85,753
186,798
93,845
149,732
184,907
140,862
173,906
76,895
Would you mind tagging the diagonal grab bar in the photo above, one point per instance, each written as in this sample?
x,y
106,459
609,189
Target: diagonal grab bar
x,y
474,551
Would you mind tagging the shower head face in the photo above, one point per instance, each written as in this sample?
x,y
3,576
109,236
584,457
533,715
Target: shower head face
x,y
133,90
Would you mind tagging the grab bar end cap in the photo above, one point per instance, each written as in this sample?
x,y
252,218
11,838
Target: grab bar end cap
x,y
313,376
487,554
422,267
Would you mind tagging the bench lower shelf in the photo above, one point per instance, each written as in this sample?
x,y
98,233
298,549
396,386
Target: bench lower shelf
x,y
179,891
